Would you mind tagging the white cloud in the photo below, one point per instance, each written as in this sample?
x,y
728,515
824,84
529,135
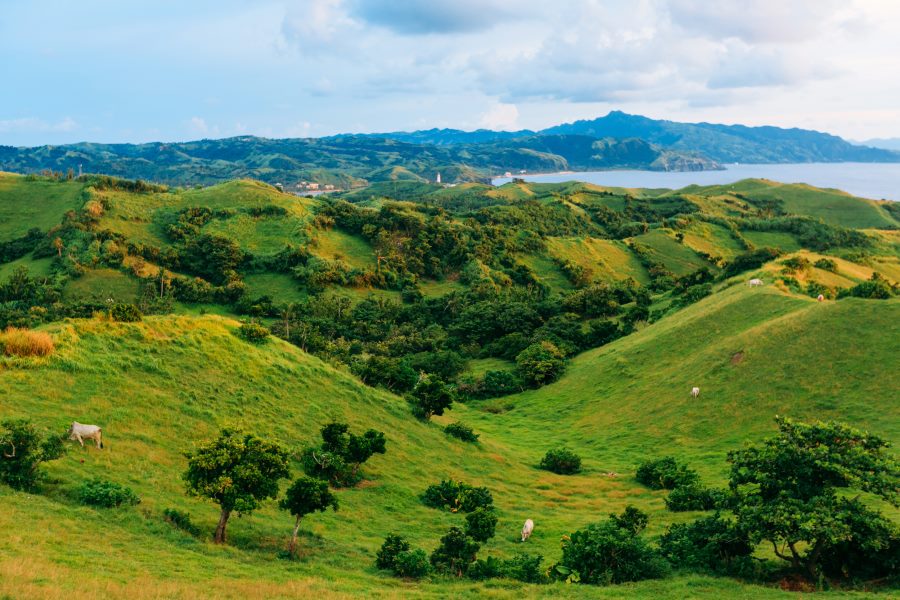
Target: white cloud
x,y
36,125
504,117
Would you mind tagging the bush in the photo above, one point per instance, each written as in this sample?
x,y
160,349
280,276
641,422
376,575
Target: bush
x,y
455,553
694,497
665,474
481,524
500,383
606,553
253,332
106,494
22,450
412,563
342,453
826,264
457,496
386,557
180,520
487,568
525,568
540,363
461,431
874,289
125,313
561,461
712,543
431,396
26,342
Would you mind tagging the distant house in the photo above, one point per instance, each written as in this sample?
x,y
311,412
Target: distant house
x,y
313,185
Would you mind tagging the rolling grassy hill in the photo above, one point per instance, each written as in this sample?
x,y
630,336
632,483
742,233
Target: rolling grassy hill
x,y
163,384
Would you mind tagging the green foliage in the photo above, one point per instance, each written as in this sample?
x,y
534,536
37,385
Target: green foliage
x,y
253,332
749,260
431,396
126,313
455,553
870,550
481,523
342,453
106,494
540,363
457,496
665,474
694,496
413,564
826,264
461,431
561,461
786,488
22,450
386,556
521,567
179,519
306,496
712,543
237,471
876,288
608,552
632,519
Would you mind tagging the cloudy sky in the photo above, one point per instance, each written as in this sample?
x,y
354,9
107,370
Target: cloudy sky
x,y
142,70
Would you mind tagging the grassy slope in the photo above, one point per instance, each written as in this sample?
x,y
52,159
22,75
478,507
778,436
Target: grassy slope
x,y
610,260
161,385
28,204
678,258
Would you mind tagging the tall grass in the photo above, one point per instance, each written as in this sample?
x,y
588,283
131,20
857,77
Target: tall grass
x,y
26,342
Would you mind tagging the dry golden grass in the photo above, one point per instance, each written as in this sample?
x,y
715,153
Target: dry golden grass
x,y
26,342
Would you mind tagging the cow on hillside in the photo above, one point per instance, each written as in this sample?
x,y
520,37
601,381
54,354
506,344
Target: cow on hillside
x,y
79,431
695,391
755,282
527,529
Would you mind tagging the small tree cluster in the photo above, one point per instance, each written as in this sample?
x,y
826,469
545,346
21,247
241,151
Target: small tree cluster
x,y
540,363
341,454
457,496
22,451
253,332
665,474
712,543
461,431
125,313
106,494
561,461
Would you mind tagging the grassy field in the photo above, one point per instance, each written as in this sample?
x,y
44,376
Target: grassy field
x,y
36,267
336,244
103,284
678,258
712,239
610,260
773,239
161,385
28,204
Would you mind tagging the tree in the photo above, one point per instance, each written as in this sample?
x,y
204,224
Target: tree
x,y
481,523
455,553
58,245
786,488
307,495
22,450
431,396
342,453
238,471
540,363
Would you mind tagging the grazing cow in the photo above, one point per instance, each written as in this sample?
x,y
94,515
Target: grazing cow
x,y
820,298
527,529
79,431
695,391
755,282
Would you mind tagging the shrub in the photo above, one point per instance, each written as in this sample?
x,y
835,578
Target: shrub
x,y
386,557
26,342
874,289
253,332
457,496
126,313
461,431
22,450
694,497
695,293
180,520
455,553
431,396
665,474
412,563
633,519
712,543
826,264
500,383
525,568
606,553
540,363
487,568
561,461
481,524
342,453
106,494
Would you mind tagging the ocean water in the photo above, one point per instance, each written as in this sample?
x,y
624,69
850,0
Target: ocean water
x,y
869,180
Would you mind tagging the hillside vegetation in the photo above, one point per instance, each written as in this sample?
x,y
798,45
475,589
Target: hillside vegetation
x,y
542,316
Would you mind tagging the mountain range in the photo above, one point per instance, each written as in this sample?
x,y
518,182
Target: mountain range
x,y
615,141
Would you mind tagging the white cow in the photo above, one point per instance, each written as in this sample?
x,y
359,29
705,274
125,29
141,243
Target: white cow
x,y
695,391
527,529
79,431
755,282
821,298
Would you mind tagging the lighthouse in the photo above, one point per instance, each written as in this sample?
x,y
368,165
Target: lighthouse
x,y
438,180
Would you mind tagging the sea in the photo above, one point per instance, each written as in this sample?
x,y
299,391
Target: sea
x,y
879,181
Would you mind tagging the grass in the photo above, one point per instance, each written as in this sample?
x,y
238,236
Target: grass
x,y
161,385
36,267
335,244
435,289
276,285
773,239
547,272
712,239
480,366
678,258
26,342
610,260
102,284
40,204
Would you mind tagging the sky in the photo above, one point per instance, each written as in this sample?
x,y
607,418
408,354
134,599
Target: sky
x,y
172,70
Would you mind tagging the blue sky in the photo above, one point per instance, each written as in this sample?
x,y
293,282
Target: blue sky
x,y
134,71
